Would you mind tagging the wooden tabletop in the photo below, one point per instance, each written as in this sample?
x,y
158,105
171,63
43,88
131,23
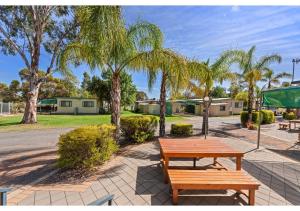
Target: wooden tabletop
x,y
211,147
295,121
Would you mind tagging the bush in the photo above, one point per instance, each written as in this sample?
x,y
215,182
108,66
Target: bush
x,y
181,129
289,116
86,146
268,117
138,128
244,118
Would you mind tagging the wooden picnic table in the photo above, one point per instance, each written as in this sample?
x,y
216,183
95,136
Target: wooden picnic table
x,y
196,148
295,121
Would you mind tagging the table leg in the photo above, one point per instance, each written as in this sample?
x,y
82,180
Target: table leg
x,y
166,165
215,161
238,163
251,197
194,162
175,196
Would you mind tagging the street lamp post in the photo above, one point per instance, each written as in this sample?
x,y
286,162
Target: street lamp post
x,y
297,60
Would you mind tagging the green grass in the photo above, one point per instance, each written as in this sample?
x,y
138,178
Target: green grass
x,y
11,123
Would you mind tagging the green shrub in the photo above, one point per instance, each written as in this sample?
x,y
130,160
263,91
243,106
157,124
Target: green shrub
x,y
289,116
181,129
268,117
244,118
138,128
86,146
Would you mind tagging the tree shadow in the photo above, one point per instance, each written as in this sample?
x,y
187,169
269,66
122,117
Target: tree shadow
x,y
278,176
24,169
150,183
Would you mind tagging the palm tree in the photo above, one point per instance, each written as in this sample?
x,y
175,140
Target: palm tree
x,y
274,79
172,67
207,74
107,44
252,70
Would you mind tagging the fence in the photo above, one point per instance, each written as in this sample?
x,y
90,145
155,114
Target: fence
x,y
5,108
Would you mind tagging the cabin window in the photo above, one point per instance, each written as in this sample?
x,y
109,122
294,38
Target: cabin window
x,y
88,103
237,105
222,108
65,103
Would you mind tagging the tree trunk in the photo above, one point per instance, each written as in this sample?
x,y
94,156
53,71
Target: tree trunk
x,y
162,127
116,102
205,117
250,101
29,116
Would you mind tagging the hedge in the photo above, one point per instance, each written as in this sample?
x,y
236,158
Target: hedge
x,y
138,128
289,116
267,117
244,118
86,146
181,129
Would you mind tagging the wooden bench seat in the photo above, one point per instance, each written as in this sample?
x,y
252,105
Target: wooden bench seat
x,y
211,180
283,125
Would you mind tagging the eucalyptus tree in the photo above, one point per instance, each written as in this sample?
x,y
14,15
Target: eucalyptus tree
x,y
29,31
252,69
273,79
106,43
173,69
206,75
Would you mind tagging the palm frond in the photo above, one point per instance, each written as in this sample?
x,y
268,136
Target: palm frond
x,y
266,60
145,35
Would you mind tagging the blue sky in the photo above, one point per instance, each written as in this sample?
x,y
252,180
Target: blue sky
x,y
203,32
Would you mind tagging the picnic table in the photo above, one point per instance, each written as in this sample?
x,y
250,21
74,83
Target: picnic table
x,y
295,121
196,148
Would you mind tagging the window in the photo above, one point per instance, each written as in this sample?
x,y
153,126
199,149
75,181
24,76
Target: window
x,y
237,105
65,103
88,103
222,107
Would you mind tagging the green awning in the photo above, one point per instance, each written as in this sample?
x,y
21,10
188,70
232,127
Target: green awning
x,y
288,97
47,102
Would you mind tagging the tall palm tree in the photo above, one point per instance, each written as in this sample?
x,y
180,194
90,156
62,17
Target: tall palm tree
x,y
172,67
207,74
252,70
274,79
106,43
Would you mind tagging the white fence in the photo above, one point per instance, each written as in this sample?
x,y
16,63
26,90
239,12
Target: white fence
x,y
5,108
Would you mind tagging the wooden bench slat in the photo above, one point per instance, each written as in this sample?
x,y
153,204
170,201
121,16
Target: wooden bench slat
x,y
211,180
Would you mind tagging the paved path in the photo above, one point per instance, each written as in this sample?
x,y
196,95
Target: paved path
x,y
135,178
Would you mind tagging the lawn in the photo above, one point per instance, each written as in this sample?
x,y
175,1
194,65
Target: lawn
x,y
11,123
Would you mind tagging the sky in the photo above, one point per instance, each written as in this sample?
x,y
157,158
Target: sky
x,y
202,32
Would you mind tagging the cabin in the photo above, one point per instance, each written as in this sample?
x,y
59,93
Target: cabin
x,y
68,105
218,107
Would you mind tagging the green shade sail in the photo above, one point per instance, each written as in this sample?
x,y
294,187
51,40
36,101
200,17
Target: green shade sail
x,y
47,102
288,97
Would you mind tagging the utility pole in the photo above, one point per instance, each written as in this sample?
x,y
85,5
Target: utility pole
x,y
297,60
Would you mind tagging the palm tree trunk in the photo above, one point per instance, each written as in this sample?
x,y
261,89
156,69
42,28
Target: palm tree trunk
x,y
250,101
162,100
205,117
116,102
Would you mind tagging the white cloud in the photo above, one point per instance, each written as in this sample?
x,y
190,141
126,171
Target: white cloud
x,y
235,8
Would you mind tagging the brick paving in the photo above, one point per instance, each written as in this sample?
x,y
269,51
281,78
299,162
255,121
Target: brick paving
x,y
135,178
